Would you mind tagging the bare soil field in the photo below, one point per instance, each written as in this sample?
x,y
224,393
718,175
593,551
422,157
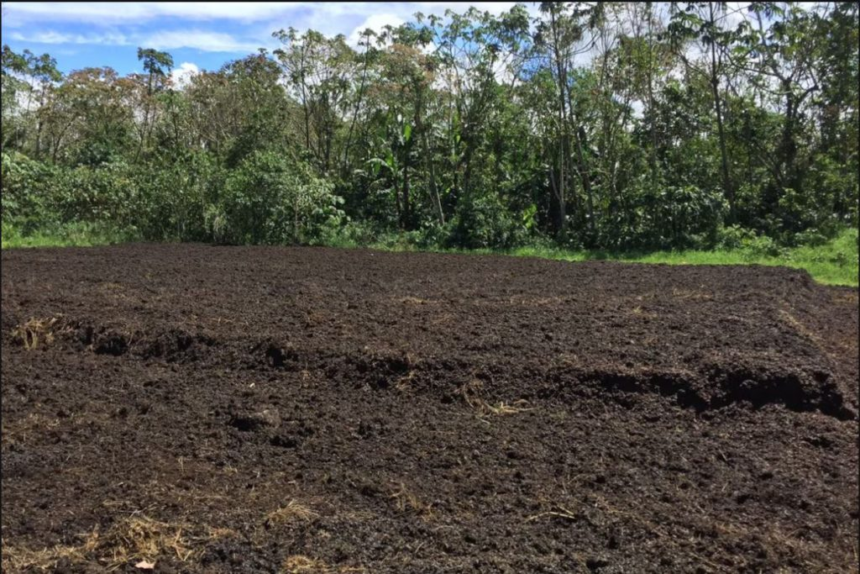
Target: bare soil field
x,y
188,408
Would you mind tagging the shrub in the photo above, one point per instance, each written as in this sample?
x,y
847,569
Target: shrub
x,y
734,237
663,216
175,197
271,198
763,246
107,193
28,189
349,234
682,216
484,222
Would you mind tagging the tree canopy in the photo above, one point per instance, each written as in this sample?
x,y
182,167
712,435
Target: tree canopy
x,y
612,125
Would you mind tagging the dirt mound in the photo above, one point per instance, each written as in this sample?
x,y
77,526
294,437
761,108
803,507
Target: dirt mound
x,y
314,410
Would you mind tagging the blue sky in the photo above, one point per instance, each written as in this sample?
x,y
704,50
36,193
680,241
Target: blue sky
x,y
199,35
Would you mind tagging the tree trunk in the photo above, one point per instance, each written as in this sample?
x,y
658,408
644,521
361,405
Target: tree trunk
x,y
728,192
398,209
40,125
584,176
788,151
348,143
653,155
407,207
434,191
144,135
561,71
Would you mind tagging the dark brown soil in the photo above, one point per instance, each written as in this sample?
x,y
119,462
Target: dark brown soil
x,y
209,409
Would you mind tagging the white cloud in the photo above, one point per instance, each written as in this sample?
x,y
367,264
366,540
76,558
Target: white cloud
x,y
182,74
112,12
161,40
53,37
376,23
250,23
235,26
197,39
100,13
494,8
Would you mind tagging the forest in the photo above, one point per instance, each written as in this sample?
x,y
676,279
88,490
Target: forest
x,y
615,126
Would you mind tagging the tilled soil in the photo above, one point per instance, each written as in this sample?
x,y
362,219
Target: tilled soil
x,y
187,408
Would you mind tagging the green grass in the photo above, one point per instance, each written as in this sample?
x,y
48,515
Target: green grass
x,y
824,268
834,263
65,236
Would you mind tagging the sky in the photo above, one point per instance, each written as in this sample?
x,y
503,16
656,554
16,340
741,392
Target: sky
x,y
202,35
199,35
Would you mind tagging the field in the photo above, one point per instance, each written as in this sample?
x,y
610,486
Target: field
x,y
188,408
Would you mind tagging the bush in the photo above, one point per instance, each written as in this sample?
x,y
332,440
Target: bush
x,y
810,237
484,222
682,217
763,246
663,216
734,237
28,190
107,193
349,234
737,238
271,199
174,198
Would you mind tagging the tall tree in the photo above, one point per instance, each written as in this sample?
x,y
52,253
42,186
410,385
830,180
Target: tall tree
x,y
704,22
157,67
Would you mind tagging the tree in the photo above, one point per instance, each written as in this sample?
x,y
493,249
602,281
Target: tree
x,y
157,67
612,125
703,22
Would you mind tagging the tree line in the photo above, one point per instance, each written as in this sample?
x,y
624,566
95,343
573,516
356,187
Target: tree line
x,y
617,125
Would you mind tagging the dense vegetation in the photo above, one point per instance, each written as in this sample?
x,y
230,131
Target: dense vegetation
x,y
618,126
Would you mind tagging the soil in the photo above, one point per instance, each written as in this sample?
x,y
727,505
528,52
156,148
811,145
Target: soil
x,y
189,408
